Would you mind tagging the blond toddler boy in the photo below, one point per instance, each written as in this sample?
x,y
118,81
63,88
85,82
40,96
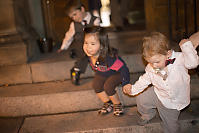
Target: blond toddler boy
x,y
167,72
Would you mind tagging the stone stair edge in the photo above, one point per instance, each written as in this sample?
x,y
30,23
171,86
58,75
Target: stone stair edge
x,y
125,124
50,87
42,88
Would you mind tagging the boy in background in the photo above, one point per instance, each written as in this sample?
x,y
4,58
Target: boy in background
x,y
75,36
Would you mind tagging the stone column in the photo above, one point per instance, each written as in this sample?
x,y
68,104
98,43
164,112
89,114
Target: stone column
x,y
7,21
12,47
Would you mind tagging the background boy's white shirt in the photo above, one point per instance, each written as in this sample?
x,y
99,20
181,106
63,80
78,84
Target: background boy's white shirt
x,y
174,92
68,39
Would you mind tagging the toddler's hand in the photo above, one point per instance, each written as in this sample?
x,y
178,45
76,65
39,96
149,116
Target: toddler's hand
x,y
127,89
183,41
195,39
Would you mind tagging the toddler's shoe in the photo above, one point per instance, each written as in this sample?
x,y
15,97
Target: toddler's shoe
x,y
107,108
118,110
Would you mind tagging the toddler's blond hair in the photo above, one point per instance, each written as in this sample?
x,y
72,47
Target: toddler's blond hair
x,y
155,43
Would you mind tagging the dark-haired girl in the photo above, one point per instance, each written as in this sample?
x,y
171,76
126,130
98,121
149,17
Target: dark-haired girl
x,y
110,70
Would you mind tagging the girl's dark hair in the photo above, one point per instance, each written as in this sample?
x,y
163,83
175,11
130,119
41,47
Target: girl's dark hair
x,y
105,49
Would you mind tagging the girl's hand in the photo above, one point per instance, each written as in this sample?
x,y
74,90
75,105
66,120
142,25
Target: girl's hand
x,y
195,39
127,89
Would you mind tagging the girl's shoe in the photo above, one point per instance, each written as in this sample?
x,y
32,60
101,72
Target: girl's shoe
x,y
118,110
107,108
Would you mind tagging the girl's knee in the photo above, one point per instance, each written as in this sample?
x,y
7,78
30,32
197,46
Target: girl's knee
x,y
109,89
110,92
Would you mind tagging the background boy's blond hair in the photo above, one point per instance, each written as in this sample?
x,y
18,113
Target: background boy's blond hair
x,y
155,43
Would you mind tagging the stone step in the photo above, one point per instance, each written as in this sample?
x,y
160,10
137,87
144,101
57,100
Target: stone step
x,y
12,51
53,70
60,97
91,122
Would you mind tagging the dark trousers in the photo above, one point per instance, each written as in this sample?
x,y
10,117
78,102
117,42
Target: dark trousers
x,y
107,84
81,64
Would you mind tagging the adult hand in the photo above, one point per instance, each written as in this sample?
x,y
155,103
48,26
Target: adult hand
x,y
195,39
183,41
59,50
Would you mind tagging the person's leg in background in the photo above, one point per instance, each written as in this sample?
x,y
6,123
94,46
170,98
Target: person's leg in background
x,y
124,11
79,68
94,7
116,17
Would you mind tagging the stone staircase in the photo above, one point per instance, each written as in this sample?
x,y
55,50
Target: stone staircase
x,y
38,97
42,86
60,97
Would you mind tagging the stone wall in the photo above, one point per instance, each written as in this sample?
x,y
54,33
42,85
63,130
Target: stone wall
x,y
7,21
25,27
12,48
18,37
